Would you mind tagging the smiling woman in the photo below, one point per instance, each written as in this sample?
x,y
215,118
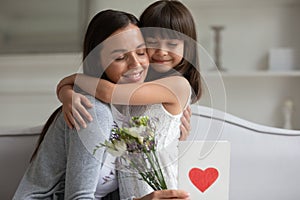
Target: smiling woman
x,y
118,54
41,26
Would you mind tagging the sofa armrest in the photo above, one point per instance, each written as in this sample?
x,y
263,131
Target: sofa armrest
x,y
16,147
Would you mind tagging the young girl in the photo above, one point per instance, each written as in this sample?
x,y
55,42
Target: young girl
x,y
62,167
166,97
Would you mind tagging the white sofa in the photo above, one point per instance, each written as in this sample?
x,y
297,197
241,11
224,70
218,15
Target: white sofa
x,y
265,161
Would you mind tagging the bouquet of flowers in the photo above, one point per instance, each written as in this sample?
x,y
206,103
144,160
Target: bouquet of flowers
x,y
135,145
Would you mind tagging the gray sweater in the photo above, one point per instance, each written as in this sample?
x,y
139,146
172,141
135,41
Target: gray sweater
x,y
65,167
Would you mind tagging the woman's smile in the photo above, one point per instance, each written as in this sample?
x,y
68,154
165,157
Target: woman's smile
x,y
134,76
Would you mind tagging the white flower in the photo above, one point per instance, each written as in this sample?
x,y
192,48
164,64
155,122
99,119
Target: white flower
x,y
136,131
140,139
118,148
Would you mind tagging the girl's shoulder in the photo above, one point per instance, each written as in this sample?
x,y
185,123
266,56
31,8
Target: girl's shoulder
x,y
178,84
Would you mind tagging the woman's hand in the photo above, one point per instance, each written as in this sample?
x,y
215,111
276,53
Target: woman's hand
x,y
74,107
166,194
185,126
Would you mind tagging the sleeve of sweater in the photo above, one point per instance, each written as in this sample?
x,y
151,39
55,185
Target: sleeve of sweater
x,y
83,168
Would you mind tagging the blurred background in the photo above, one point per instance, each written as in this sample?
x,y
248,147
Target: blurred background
x,y
258,52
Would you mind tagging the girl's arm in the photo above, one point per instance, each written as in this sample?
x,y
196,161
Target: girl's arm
x,y
173,92
76,106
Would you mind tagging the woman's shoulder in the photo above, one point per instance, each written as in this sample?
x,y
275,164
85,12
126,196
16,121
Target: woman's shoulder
x,y
96,102
99,108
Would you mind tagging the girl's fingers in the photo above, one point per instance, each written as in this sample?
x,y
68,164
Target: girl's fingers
x,y
83,111
86,101
186,123
183,133
76,125
78,118
187,114
79,111
69,124
189,109
73,121
185,126
75,112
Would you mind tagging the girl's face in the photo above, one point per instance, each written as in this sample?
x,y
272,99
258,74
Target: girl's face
x,y
124,56
164,54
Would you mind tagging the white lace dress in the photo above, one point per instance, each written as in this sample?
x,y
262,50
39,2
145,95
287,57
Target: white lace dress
x,y
167,134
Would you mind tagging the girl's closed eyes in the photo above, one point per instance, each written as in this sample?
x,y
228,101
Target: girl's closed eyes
x,y
159,43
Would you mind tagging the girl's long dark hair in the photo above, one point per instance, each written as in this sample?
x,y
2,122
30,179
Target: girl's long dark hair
x,y
173,15
100,28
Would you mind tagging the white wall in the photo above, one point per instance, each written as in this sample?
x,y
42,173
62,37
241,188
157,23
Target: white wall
x,y
259,98
251,30
252,27
27,84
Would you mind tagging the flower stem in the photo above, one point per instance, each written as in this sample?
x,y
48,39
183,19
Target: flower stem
x,y
158,173
162,180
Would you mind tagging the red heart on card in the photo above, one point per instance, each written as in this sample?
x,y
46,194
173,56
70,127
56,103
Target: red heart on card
x,y
203,179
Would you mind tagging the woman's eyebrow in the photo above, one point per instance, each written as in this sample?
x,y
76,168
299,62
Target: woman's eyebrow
x,y
118,51
125,50
141,45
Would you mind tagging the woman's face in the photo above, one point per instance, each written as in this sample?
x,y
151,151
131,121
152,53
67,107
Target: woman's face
x,y
124,56
164,54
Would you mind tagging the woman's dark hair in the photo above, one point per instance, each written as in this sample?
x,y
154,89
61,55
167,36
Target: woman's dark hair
x,y
173,15
99,29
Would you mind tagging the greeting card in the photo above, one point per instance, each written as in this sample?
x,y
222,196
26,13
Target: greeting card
x,y
204,169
